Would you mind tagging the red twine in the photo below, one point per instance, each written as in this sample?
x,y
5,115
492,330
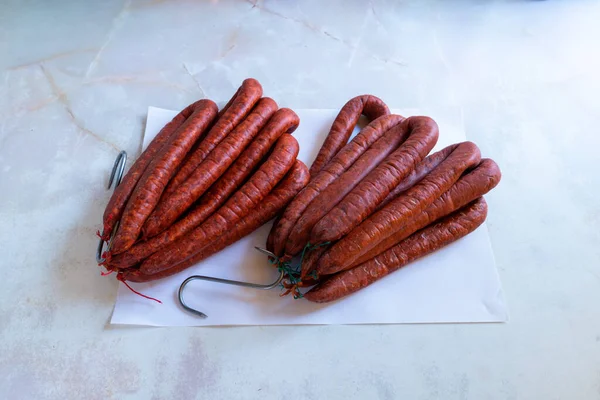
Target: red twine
x,y
107,256
120,277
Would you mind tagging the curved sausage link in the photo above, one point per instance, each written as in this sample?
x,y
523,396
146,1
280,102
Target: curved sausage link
x,y
118,200
370,192
284,120
335,192
469,187
232,114
270,243
343,125
428,240
340,163
241,202
417,174
266,210
156,176
400,210
174,204
311,260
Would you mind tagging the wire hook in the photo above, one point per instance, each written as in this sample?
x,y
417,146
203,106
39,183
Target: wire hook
x,y
120,162
227,282
115,177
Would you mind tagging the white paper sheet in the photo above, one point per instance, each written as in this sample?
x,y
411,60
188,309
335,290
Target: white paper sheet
x,y
458,283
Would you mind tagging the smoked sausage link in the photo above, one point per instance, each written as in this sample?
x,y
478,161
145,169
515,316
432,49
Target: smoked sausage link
x,y
310,261
339,188
421,170
266,210
232,114
375,187
430,239
118,200
402,209
343,125
340,163
239,204
469,187
283,121
158,173
174,204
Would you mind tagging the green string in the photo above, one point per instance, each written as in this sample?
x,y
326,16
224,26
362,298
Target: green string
x,y
293,272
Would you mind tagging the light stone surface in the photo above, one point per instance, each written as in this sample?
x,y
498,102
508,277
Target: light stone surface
x,y
77,78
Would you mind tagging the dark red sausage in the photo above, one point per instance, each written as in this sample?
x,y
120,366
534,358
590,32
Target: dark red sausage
x,y
343,125
232,114
118,200
400,210
270,243
174,204
339,188
266,210
156,176
469,187
430,239
310,261
284,120
241,202
340,163
366,196
415,176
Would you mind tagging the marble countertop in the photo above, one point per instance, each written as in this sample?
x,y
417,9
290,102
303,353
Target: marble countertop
x,y
77,78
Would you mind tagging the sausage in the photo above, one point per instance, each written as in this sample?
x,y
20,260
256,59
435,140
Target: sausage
x,y
266,210
156,176
366,196
430,239
344,159
270,243
340,163
400,210
174,204
343,125
232,114
420,171
241,202
336,191
310,261
469,187
118,200
284,120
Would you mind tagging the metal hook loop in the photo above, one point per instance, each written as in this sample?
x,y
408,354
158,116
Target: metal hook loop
x,y
226,282
119,164
116,175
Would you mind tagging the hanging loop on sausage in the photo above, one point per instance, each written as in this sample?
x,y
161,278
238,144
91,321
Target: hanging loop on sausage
x,y
226,282
116,175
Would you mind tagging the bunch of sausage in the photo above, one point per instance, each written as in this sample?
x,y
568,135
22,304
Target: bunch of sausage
x,y
367,207
380,201
207,179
